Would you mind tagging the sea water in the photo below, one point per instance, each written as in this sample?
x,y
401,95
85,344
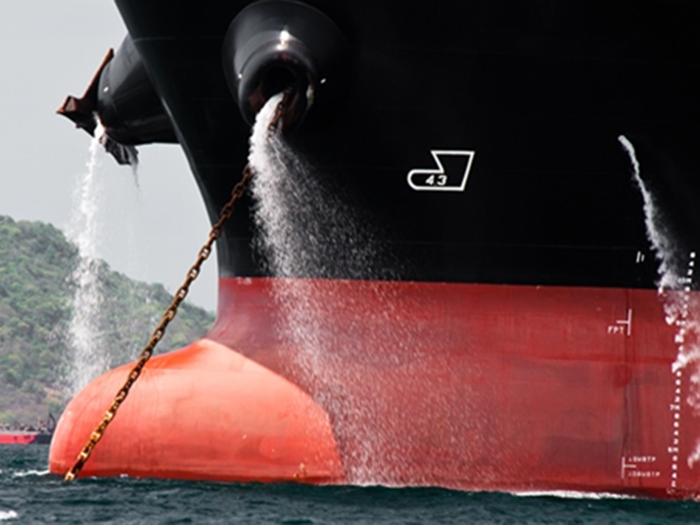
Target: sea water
x,y
29,495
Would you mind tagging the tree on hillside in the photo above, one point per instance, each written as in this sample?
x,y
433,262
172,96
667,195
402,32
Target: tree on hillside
x,y
37,287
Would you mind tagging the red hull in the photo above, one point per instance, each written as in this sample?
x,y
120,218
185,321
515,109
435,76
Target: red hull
x,y
478,387
23,438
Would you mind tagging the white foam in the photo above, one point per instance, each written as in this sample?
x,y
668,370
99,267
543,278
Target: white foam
x,y
570,494
27,473
7,515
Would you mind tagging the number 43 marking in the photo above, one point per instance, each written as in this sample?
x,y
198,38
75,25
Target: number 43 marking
x,y
437,179
441,180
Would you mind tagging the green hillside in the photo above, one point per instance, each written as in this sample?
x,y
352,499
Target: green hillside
x,y
37,286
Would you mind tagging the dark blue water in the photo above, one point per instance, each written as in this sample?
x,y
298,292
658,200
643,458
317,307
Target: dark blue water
x,y
29,495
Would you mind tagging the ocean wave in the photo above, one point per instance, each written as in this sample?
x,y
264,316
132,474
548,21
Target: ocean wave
x,y
6,515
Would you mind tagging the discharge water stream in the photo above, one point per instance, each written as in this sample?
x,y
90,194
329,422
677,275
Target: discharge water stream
x,y
675,285
88,359
323,247
88,355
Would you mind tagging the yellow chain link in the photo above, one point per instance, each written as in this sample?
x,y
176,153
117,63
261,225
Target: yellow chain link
x,y
171,311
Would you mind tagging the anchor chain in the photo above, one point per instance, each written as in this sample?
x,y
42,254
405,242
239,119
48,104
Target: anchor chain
x,y
171,311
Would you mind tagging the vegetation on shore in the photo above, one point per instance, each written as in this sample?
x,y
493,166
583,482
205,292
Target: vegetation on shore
x,y
37,286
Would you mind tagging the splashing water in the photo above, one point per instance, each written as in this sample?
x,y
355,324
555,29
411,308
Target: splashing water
x,y
682,309
87,358
657,232
307,229
349,355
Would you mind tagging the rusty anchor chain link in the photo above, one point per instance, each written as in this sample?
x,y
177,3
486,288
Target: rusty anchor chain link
x,y
171,311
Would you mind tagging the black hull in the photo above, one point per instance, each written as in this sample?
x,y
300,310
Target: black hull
x,y
539,93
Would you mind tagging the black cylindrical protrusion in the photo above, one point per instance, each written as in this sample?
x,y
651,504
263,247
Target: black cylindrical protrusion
x,y
273,45
122,97
127,104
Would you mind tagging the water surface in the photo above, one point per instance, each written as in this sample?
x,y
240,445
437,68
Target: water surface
x,y
29,495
